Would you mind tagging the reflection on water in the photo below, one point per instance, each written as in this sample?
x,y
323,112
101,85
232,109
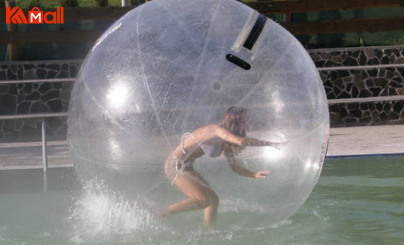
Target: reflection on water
x,y
356,201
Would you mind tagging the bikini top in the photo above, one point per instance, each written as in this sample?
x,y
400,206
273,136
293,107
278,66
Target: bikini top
x,y
210,150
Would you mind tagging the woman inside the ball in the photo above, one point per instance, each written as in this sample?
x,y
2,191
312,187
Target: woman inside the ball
x,y
227,137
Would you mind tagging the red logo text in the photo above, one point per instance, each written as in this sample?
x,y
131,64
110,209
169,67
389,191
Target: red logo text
x,y
15,15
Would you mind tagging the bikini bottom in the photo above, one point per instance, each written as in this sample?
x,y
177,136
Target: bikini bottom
x,y
174,167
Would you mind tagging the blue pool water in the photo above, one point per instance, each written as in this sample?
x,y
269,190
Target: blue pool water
x,y
356,201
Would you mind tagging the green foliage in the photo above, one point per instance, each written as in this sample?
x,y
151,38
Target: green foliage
x,y
116,2
34,3
102,3
69,3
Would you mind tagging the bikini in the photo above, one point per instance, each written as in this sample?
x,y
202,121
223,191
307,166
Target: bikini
x,y
211,150
174,167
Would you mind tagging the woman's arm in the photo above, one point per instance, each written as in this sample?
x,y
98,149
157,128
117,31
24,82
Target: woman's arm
x,y
235,166
228,136
256,142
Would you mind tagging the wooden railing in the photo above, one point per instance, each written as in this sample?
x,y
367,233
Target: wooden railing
x,y
300,6
288,8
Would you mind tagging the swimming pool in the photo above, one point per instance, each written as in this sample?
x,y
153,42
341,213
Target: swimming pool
x,y
356,201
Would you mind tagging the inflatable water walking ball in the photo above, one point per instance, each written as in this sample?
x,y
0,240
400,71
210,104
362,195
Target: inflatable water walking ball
x,y
171,66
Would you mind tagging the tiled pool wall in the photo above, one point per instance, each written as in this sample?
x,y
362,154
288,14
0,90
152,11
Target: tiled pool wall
x,y
28,98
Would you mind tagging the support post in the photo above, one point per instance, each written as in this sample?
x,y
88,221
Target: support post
x,y
124,3
12,47
45,181
44,150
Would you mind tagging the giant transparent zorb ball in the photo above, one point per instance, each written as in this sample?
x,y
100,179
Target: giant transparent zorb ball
x,y
171,66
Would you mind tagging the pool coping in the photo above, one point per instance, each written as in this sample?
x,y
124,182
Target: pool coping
x,y
344,142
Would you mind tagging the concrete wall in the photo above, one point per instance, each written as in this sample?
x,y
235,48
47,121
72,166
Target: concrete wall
x,y
54,97
35,97
363,83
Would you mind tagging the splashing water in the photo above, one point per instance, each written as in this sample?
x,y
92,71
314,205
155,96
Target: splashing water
x,y
100,212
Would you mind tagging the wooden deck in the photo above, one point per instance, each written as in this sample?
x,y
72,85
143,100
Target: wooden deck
x,y
370,140
343,142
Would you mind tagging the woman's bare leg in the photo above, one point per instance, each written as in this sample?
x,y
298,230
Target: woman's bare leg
x,y
210,212
200,196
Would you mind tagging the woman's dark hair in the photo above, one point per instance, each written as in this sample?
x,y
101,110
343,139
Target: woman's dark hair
x,y
231,121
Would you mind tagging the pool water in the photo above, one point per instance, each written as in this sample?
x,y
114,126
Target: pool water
x,y
356,201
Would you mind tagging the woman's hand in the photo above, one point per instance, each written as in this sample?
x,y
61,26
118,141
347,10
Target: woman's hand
x,y
256,142
277,145
261,174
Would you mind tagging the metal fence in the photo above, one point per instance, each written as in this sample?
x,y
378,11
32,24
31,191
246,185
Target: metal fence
x,y
44,143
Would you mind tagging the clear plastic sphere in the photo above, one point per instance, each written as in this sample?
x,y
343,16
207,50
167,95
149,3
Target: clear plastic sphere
x,y
172,66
